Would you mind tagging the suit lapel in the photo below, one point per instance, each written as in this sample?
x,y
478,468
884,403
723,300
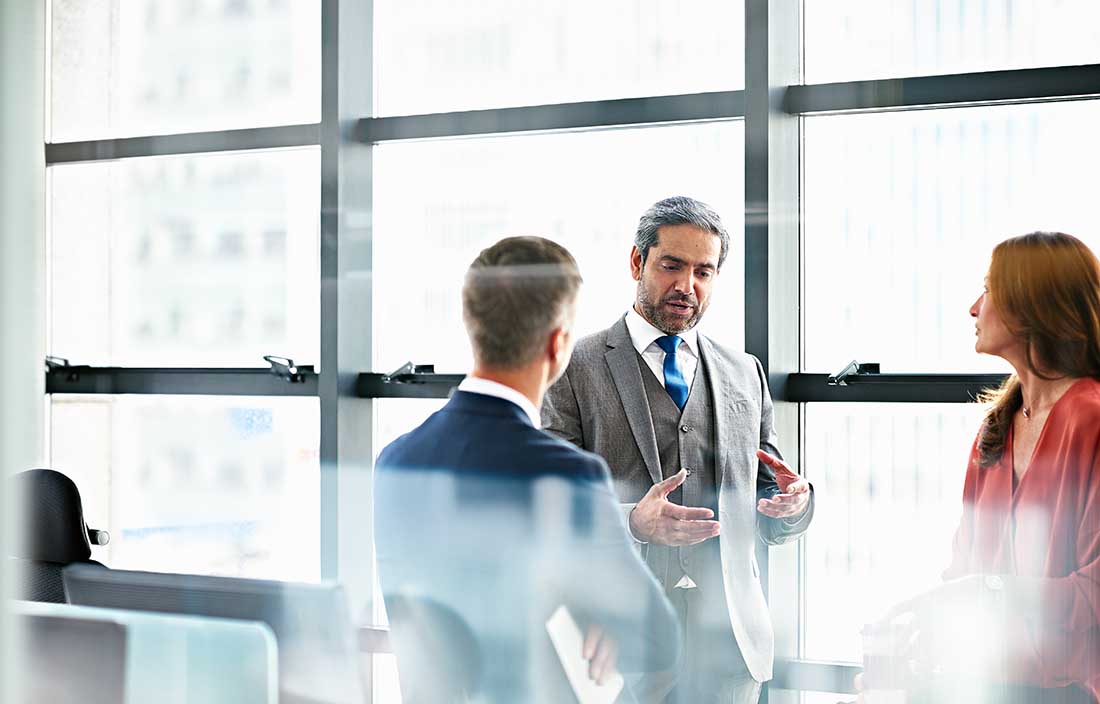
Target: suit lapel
x,y
720,395
622,360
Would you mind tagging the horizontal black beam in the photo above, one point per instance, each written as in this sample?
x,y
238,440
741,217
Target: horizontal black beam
x,y
192,143
815,676
890,388
986,87
407,386
561,116
188,382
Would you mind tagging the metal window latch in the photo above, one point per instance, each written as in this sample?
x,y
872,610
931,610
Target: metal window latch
x,y
408,372
55,363
60,364
853,369
284,368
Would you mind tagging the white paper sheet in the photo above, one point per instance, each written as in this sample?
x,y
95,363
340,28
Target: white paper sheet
x,y
569,643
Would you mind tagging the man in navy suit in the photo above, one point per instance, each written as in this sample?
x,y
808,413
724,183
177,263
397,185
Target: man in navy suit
x,y
485,524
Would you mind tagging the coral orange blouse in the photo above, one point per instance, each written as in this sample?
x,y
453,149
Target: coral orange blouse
x,y
1044,534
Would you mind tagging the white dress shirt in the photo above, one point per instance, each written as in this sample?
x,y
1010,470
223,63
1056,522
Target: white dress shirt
x,y
485,387
644,336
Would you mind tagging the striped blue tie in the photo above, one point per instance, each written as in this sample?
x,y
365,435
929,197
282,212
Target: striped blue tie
x,y
674,381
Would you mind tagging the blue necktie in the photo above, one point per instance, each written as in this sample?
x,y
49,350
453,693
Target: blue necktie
x,y
674,381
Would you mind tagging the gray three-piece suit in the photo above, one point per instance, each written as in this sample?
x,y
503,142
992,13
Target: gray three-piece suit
x,y
609,402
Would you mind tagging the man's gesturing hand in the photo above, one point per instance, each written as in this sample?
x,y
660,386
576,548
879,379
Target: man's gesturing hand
x,y
795,491
655,519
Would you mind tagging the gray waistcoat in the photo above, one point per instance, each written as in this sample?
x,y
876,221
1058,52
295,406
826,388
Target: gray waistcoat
x,y
684,439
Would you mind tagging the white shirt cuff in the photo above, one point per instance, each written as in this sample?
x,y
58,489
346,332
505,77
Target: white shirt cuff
x,y
627,508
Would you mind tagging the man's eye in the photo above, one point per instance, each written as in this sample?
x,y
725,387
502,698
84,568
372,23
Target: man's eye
x,y
704,274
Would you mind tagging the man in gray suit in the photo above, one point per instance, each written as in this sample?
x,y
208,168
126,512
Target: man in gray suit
x,y
686,428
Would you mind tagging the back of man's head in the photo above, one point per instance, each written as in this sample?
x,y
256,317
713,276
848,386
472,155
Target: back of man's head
x,y
516,293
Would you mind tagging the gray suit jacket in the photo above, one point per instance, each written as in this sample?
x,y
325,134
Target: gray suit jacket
x,y
600,405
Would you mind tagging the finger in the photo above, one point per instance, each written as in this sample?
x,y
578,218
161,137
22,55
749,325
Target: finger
x,y
604,662
784,475
773,510
692,532
695,528
775,463
596,658
858,682
687,513
768,458
684,542
799,486
798,498
780,502
591,641
665,487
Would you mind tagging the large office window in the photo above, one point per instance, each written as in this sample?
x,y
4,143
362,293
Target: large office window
x,y
448,200
437,56
120,68
208,260
889,482
902,203
223,185
196,484
902,211
196,260
863,39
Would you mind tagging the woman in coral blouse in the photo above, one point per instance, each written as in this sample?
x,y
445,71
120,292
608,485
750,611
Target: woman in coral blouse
x,y
1021,604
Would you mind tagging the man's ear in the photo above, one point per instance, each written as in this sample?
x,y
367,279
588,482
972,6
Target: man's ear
x,y
636,263
557,345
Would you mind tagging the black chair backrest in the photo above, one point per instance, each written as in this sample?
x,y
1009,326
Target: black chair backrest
x,y
52,533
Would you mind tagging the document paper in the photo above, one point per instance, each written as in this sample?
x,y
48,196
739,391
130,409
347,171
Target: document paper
x,y
569,643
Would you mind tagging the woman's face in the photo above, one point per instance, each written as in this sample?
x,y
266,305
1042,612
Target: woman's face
x,y
993,336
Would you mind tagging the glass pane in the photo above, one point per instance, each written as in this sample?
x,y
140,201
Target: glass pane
x,y
889,482
186,261
387,688
902,211
135,67
202,485
439,56
438,204
392,419
864,39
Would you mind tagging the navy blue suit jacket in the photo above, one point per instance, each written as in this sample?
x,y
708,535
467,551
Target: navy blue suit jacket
x,y
500,523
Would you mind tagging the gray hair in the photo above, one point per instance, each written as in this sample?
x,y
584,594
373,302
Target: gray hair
x,y
515,294
679,210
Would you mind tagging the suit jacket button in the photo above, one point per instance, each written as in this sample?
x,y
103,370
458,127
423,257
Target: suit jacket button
x,y
689,470
685,428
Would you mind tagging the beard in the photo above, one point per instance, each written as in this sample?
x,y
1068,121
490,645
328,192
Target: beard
x,y
652,308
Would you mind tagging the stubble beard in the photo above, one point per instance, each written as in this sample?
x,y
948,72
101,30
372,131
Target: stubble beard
x,y
670,325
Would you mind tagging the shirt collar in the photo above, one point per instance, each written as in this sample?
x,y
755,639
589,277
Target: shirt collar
x,y
643,334
485,387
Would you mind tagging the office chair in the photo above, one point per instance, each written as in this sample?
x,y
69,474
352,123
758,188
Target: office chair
x,y
52,534
438,657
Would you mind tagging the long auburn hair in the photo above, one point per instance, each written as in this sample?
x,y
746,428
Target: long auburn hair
x,y
1046,289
